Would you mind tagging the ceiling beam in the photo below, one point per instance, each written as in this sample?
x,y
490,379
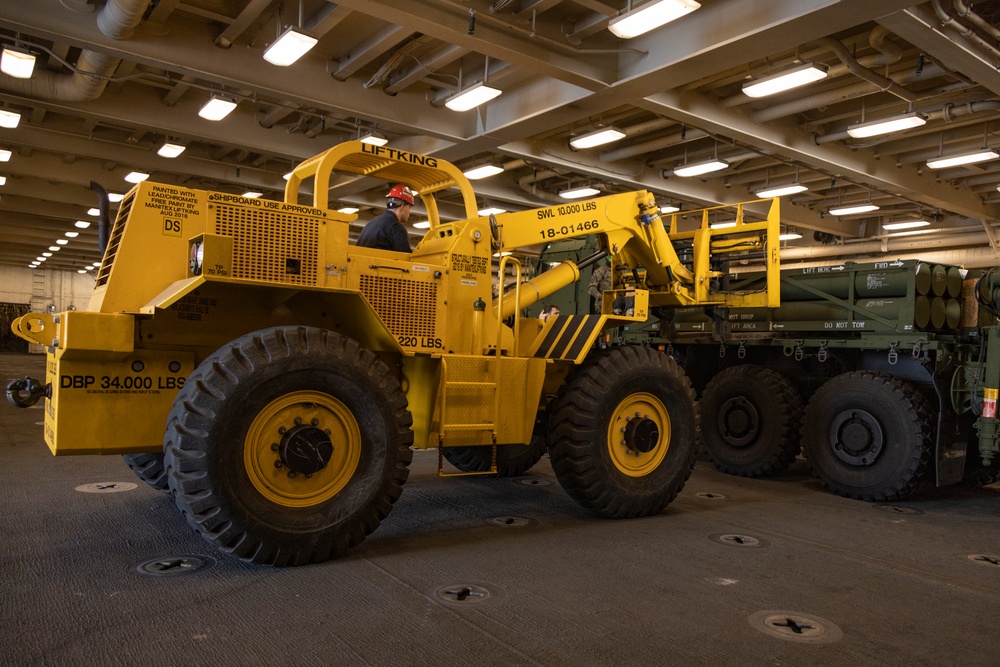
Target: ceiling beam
x,y
704,192
842,162
920,26
188,50
497,38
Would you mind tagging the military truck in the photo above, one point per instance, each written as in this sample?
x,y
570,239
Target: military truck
x,y
274,378
884,374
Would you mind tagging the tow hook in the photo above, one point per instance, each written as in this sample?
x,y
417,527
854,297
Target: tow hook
x,y
25,393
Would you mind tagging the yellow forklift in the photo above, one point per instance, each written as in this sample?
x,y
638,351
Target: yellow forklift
x,y
274,379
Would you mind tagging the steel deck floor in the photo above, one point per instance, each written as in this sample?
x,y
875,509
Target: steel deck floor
x,y
809,578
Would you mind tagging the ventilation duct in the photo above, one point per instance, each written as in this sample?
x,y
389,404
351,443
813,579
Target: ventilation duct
x,y
117,19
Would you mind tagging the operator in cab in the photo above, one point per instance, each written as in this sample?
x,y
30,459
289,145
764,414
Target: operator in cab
x,y
386,231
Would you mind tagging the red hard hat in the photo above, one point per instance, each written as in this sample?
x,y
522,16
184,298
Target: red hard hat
x,y
402,193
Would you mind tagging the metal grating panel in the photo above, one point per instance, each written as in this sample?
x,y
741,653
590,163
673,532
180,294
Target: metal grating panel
x,y
270,246
115,238
408,307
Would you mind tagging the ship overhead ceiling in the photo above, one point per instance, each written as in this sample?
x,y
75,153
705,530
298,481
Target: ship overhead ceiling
x,y
115,80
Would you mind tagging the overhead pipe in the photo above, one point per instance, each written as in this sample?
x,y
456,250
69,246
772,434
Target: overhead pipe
x,y
117,20
884,83
986,27
533,34
889,53
686,135
527,183
950,24
947,112
829,97
882,246
929,138
733,157
976,257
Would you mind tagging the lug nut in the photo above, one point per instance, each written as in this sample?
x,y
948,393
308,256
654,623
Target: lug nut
x,y
298,421
281,430
274,446
278,464
291,474
314,422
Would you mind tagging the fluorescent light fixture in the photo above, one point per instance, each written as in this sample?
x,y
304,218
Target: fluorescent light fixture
x,y
785,80
81,270
250,194
669,208
907,224
18,63
604,135
472,97
781,191
723,225
54,248
3,180
90,267
484,171
170,150
72,235
851,210
115,197
491,210
288,48
913,232
886,125
46,255
134,177
578,193
40,259
5,155
61,241
9,119
94,211
217,108
288,176
981,155
348,210
789,236
699,168
374,138
82,224
649,17
423,224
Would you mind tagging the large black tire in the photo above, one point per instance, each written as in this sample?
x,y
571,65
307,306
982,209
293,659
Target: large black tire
x,y
623,432
288,446
976,475
149,468
512,460
868,436
750,418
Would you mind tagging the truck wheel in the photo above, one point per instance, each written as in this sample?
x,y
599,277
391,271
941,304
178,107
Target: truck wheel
x,y
976,475
623,432
750,421
868,436
288,446
512,460
149,468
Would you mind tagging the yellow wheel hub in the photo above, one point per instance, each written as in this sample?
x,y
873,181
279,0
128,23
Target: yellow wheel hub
x,y
639,434
302,449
